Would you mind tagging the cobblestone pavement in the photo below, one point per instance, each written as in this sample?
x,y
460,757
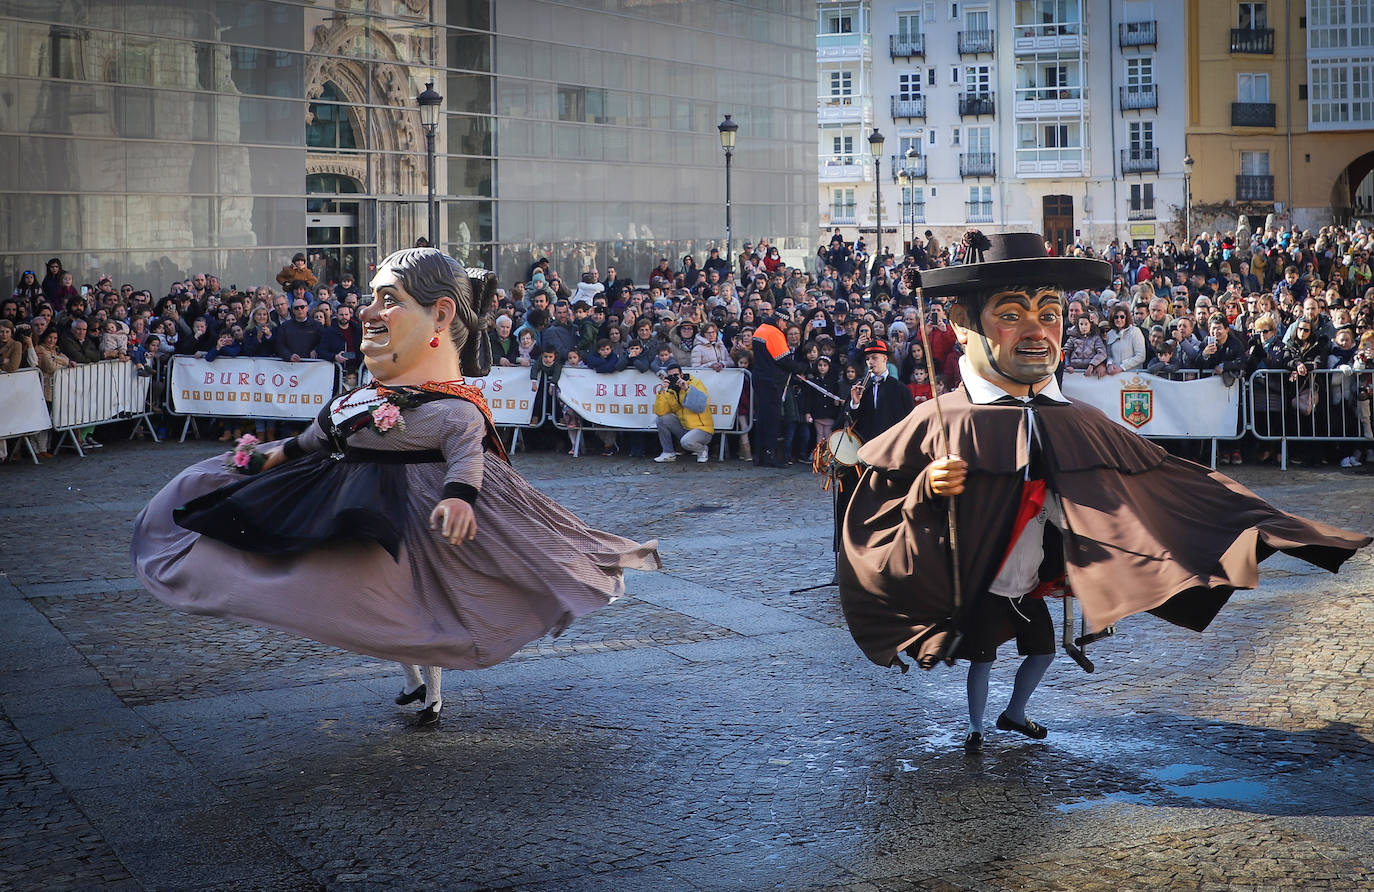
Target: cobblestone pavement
x,y
710,731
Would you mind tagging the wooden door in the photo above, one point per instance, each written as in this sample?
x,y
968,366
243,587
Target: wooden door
x,y
1059,222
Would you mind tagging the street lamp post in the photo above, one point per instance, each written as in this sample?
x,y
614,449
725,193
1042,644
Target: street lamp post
x,y
875,145
1187,198
903,179
911,156
727,130
429,102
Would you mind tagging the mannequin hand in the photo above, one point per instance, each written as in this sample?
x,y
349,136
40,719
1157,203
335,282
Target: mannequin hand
x,y
947,475
453,519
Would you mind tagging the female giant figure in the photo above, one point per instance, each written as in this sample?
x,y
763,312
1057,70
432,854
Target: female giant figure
x,y
394,525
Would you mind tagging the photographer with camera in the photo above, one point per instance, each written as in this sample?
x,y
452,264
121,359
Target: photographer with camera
x,y
684,415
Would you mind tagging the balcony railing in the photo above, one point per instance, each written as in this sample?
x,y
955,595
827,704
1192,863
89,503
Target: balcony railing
x,y
1252,114
1136,34
912,167
1254,187
1144,212
973,105
914,107
914,212
1139,96
978,164
905,46
1139,161
979,211
973,43
843,216
1252,40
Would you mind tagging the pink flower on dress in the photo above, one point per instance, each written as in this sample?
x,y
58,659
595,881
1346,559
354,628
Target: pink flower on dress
x,y
247,440
385,417
242,457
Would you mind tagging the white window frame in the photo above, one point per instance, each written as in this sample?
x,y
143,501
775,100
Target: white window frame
x,y
1252,7
1141,135
909,85
1254,164
1252,86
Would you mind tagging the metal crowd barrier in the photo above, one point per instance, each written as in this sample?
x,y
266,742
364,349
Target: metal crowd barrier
x,y
554,411
1275,412
1197,375
97,393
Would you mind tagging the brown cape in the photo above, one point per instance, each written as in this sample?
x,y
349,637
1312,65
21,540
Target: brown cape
x,y
1145,531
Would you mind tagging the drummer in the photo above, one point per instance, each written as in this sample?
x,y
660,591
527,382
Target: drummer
x,y
875,404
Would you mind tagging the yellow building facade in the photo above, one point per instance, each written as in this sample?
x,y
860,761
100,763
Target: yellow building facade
x,y
1280,115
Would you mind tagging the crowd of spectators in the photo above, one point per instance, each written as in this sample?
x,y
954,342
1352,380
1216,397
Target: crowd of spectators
x,y
1227,304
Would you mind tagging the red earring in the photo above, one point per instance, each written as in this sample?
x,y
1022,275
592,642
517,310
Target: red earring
x,y
434,341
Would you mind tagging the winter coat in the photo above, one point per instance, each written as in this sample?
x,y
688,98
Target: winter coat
x,y
692,408
706,353
1084,351
1125,348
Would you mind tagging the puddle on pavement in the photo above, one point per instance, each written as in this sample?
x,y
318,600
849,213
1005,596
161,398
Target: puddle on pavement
x,y
1238,791
1177,771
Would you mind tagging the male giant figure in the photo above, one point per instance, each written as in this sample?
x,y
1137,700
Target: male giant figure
x,y
1045,488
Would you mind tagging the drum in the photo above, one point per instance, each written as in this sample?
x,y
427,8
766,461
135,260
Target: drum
x,y
844,447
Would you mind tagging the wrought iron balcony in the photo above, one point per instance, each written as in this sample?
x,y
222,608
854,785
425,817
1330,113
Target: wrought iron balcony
x,y
1144,212
1254,187
974,43
1252,114
914,107
1139,161
906,46
1139,97
912,167
979,211
1252,40
1136,34
843,216
978,164
973,105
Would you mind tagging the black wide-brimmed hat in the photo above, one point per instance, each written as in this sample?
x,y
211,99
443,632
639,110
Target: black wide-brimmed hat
x,y
1012,258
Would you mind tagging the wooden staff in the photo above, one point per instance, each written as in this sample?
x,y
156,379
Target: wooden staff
x,y
951,642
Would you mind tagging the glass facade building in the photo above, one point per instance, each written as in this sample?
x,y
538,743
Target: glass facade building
x,y
147,139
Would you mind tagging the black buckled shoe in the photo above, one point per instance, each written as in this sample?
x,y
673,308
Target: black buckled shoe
x,y
404,699
973,744
1031,729
428,717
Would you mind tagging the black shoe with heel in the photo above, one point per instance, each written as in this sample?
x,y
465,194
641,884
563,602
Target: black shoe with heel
x,y
403,699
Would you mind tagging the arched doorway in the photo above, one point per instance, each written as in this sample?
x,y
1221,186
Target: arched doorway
x,y
1352,195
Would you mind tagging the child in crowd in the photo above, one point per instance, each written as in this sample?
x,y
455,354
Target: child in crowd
x,y
920,387
114,339
1166,361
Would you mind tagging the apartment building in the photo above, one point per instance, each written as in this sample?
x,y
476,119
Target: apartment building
x,y
1059,116
1281,107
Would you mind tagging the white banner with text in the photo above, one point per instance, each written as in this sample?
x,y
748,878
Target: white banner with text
x,y
22,409
1158,407
625,400
97,392
243,387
